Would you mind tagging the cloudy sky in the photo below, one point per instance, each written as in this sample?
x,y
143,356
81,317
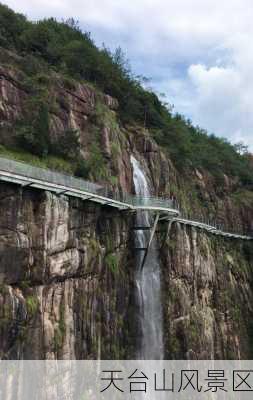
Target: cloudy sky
x,y
198,52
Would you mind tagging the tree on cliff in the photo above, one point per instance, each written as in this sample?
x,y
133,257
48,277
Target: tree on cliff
x,y
34,132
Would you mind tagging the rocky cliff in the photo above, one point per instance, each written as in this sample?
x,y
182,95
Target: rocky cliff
x,y
207,296
67,266
65,277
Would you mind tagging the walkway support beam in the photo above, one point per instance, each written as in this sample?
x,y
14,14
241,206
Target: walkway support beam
x,y
152,233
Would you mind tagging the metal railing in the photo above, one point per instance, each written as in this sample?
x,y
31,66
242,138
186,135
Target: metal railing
x,y
44,175
217,230
138,201
216,224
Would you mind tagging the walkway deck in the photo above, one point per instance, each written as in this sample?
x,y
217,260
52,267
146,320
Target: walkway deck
x,y
208,228
29,176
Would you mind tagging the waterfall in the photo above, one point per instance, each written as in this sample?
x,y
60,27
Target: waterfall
x,y
147,280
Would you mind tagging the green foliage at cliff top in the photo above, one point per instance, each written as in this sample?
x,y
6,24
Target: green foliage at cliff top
x,y
63,47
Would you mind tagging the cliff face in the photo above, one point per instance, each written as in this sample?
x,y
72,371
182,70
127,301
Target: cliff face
x,y
65,277
67,266
67,285
207,296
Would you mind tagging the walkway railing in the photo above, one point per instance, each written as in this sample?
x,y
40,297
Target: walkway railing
x,y
28,175
213,229
138,201
18,171
46,175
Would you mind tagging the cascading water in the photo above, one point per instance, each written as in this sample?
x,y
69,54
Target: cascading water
x,y
147,279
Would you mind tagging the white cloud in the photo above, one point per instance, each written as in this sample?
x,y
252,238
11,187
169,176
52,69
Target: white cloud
x,y
199,52
224,98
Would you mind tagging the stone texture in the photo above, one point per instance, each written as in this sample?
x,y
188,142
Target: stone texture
x,y
207,296
60,295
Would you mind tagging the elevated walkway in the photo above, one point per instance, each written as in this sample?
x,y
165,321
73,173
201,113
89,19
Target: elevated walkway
x,y
208,228
27,175
205,227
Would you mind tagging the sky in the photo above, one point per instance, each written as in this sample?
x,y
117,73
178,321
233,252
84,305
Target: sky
x,y
199,53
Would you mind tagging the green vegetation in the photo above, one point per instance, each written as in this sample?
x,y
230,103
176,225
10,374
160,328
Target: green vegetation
x,y
33,130
113,180
95,247
94,166
115,149
191,146
33,134
6,315
244,197
68,146
32,305
97,163
112,262
60,330
49,45
51,162
3,289
248,251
